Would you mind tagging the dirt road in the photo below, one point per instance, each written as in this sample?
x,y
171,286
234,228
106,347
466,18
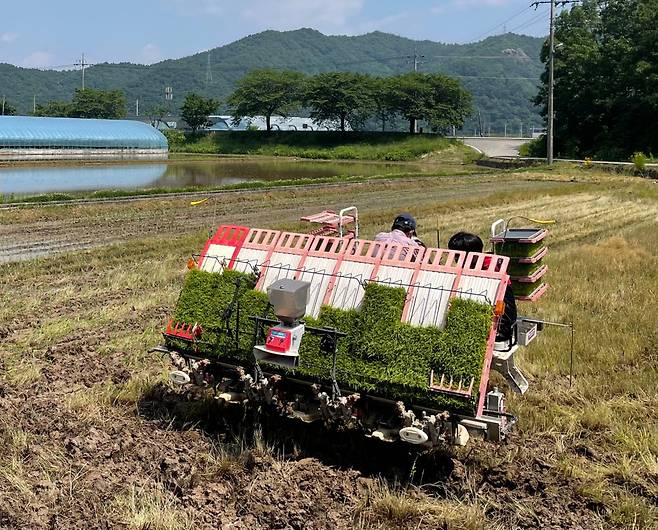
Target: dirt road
x,y
497,147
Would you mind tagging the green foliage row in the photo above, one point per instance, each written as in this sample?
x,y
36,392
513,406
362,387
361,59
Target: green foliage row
x,y
606,72
348,98
315,144
380,355
87,103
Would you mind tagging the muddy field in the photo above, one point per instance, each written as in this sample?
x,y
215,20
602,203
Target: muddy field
x,y
93,436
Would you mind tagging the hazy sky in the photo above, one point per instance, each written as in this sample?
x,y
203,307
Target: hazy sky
x,y
53,33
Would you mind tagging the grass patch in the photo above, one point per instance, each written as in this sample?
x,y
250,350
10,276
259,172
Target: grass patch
x,y
381,355
389,507
318,145
22,371
157,509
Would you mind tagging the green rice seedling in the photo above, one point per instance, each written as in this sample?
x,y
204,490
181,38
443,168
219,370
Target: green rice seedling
x,y
518,250
523,269
526,289
380,354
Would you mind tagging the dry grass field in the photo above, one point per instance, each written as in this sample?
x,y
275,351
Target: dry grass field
x,y
92,437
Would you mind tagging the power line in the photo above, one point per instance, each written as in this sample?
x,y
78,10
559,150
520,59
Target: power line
x,y
504,22
494,77
478,57
533,20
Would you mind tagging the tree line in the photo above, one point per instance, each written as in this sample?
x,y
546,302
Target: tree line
x,y
347,98
350,100
606,74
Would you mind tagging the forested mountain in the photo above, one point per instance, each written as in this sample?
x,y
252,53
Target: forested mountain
x,y
502,71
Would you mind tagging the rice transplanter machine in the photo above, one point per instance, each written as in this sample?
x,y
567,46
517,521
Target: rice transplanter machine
x,y
300,278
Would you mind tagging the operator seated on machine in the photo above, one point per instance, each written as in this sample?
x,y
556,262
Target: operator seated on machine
x,y
468,242
403,232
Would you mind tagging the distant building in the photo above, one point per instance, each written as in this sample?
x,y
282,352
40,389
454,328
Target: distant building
x,y
278,123
31,138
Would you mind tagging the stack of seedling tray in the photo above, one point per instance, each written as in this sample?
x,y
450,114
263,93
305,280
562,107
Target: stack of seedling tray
x,y
380,355
526,249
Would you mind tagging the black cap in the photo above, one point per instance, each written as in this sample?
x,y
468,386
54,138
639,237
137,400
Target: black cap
x,y
404,222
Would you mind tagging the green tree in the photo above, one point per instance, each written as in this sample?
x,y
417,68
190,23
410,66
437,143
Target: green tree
x,y
384,108
265,93
439,100
606,73
100,104
6,109
341,97
54,109
196,109
157,115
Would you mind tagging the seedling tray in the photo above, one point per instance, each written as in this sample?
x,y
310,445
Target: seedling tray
x,y
521,235
533,278
516,270
534,295
524,289
533,259
514,249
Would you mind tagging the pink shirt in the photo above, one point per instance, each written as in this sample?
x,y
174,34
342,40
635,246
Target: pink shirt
x,y
396,236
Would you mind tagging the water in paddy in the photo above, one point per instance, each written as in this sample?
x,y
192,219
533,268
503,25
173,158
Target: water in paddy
x,y
23,180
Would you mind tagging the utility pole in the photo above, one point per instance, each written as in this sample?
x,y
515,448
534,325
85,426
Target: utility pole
x,y
416,62
551,89
208,71
137,108
82,64
415,58
3,104
550,130
34,104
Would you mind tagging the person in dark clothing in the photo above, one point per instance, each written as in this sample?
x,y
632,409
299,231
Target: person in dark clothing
x,y
468,242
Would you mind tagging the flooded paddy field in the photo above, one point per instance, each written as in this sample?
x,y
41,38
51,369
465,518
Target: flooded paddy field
x,y
22,180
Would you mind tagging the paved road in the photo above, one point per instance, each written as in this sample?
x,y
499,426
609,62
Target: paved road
x,y
497,146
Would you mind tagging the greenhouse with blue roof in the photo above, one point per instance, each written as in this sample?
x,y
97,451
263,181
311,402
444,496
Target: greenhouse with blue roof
x,y
31,138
